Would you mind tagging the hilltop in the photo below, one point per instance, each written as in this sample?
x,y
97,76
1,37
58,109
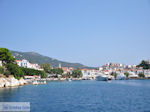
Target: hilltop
x,y
35,57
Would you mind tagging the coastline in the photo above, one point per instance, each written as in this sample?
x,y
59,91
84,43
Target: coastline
x,y
11,82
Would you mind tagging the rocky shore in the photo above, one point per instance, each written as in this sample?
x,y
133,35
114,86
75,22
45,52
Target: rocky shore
x,y
11,81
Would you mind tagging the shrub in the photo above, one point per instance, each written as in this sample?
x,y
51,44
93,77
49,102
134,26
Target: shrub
x,y
141,75
1,70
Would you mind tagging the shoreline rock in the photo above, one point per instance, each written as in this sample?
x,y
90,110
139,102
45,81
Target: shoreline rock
x,y
11,82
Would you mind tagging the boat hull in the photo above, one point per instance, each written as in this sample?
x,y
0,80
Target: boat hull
x,y
101,78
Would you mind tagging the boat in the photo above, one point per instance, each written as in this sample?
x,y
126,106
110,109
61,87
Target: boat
x,y
69,80
35,83
38,82
121,76
102,77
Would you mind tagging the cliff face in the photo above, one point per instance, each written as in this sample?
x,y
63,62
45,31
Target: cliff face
x,y
11,82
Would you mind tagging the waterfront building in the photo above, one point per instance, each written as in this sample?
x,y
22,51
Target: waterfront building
x,y
26,64
32,77
133,75
89,73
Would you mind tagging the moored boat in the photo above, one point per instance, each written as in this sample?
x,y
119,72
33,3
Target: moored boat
x,y
69,80
102,77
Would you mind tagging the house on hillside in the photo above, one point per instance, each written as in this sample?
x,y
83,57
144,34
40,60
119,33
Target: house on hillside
x,y
67,70
23,63
26,64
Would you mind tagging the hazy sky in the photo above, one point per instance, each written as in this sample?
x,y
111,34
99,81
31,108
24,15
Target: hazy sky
x,y
92,32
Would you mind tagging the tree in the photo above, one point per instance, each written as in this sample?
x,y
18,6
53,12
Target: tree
x,y
57,71
43,74
1,70
67,75
141,75
114,74
15,70
29,71
77,73
126,74
6,56
46,67
144,64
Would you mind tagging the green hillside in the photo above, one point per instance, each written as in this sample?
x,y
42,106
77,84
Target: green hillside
x,y
34,57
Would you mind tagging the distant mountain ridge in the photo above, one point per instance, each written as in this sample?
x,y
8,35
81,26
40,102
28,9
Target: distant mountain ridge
x,y
34,57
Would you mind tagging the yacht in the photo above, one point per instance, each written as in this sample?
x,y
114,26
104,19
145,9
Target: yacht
x,y
102,77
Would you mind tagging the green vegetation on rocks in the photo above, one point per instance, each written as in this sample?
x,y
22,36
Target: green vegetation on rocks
x,y
15,70
29,71
11,68
1,70
9,65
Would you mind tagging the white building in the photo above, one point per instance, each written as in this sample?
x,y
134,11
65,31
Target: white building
x,y
23,63
89,73
133,75
0,63
26,64
32,77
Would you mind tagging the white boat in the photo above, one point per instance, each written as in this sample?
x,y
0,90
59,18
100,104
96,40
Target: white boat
x,y
121,76
35,83
102,77
69,80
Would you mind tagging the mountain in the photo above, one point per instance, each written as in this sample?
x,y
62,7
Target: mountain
x,y
34,57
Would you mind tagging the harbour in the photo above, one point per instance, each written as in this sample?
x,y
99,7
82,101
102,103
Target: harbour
x,y
85,96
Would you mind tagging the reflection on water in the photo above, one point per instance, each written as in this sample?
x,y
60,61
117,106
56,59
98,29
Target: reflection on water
x,y
7,93
83,96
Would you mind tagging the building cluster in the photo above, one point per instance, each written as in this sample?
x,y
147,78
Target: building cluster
x,y
107,69
26,64
90,73
110,68
67,70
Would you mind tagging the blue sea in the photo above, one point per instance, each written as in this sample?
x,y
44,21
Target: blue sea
x,y
83,96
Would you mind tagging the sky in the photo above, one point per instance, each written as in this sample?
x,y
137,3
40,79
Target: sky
x,y
91,32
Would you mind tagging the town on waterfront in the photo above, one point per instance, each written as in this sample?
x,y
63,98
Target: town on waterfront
x,y
74,56
33,73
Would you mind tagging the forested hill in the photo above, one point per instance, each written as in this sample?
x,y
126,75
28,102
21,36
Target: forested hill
x,y
34,57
